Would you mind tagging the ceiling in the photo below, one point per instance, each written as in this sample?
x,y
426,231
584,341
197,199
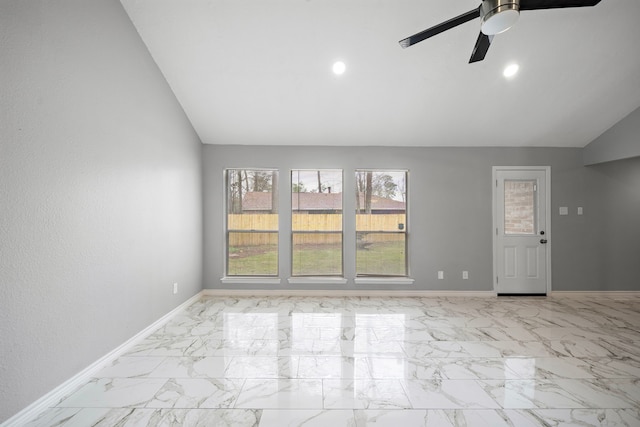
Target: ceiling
x,y
259,72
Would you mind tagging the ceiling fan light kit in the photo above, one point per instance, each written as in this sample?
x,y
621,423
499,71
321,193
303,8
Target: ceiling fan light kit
x,y
496,16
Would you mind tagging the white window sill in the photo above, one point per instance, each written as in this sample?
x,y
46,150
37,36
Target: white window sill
x,y
250,280
317,280
383,281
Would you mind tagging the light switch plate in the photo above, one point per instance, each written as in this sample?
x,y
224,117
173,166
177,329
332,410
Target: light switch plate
x,y
579,210
564,210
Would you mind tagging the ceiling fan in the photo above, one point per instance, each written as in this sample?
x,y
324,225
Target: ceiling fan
x,y
496,16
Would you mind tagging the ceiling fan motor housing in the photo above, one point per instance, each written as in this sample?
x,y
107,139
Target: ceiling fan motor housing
x,y
498,15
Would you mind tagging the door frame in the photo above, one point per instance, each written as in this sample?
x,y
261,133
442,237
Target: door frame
x,y
495,225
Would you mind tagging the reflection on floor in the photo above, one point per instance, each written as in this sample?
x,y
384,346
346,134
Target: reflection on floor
x,y
291,361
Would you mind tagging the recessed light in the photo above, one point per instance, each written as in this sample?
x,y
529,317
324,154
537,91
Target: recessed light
x,y
510,70
339,68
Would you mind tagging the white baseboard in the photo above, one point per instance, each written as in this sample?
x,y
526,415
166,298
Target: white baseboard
x,y
399,293
342,293
54,396
273,281
386,281
317,281
606,294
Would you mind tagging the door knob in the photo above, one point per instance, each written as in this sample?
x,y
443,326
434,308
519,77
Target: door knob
x,y
543,241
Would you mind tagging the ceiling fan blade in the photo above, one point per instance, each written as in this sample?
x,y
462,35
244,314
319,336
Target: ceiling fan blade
x,y
553,4
437,29
481,47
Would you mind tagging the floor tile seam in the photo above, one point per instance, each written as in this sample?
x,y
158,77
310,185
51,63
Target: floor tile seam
x,y
323,394
323,408
404,386
79,408
213,378
515,377
391,355
562,385
75,390
137,377
240,391
479,383
493,358
497,403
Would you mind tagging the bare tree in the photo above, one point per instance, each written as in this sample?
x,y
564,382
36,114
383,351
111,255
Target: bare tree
x,y
367,192
360,189
274,192
402,188
380,184
239,201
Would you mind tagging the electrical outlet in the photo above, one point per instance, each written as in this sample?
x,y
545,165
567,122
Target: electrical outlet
x,y
465,275
175,288
440,275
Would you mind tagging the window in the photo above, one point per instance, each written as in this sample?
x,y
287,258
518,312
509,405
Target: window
x,y
381,223
316,204
519,207
252,222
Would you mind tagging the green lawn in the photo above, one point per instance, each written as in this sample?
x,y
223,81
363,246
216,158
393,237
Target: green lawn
x,y
314,260
253,260
382,258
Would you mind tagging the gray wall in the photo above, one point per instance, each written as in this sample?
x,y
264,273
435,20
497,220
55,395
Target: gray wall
x,y
613,192
450,219
621,141
100,192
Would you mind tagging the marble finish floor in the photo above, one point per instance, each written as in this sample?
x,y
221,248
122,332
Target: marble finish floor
x,y
438,361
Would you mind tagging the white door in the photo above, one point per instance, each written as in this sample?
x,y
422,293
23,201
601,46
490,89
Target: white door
x,y
521,230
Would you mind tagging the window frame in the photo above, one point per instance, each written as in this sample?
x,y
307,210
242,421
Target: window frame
x,y
318,232
228,231
404,231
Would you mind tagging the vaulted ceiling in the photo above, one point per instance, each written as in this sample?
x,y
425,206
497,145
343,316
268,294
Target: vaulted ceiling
x,y
260,72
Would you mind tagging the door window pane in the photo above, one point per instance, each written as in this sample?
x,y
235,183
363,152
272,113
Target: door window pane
x,y
316,203
381,223
520,207
252,222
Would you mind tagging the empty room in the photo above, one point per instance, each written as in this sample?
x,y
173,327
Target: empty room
x,y
305,213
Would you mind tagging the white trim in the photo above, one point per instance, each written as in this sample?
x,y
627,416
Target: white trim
x,y
384,281
591,294
547,171
418,293
548,225
344,293
250,280
494,226
54,396
317,281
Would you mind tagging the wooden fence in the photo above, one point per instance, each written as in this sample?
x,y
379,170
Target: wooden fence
x,y
366,224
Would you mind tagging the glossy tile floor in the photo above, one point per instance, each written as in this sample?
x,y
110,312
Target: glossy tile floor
x,y
375,361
